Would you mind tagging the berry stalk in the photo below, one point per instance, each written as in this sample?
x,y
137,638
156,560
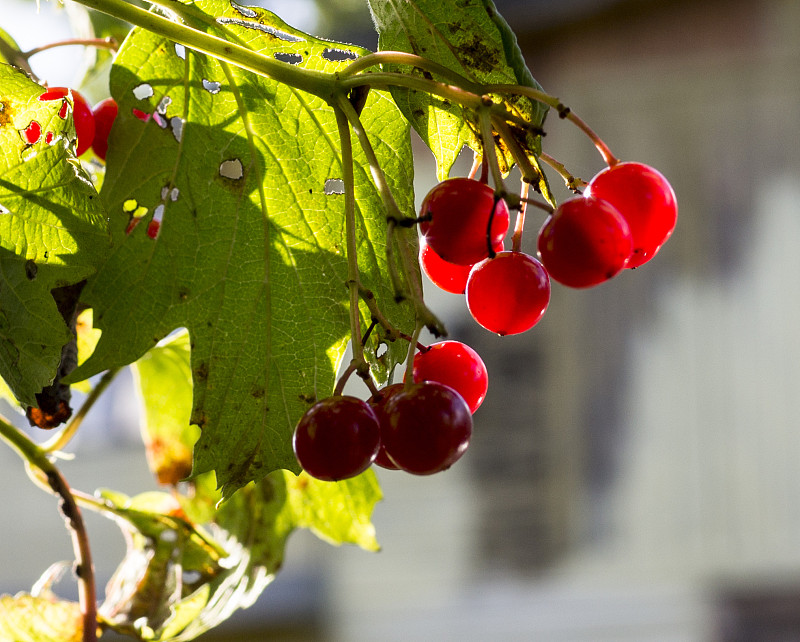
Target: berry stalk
x,y
394,218
358,364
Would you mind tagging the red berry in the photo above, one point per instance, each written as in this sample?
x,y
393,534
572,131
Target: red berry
x,y
104,114
449,277
454,364
81,115
378,402
459,212
429,428
337,438
584,242
509,293
646,201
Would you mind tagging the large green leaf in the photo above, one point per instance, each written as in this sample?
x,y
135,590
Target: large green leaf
x,y
471,38
242,173
52,231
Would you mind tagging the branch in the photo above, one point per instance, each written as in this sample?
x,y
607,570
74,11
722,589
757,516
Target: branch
x,y
84,568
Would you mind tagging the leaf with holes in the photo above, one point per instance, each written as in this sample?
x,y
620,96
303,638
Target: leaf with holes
x,y
233,228
52,231
471,38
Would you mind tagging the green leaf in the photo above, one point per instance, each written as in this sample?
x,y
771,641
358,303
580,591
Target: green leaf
x,y
178,580
52,231
471,38
164,379
250,256
25,618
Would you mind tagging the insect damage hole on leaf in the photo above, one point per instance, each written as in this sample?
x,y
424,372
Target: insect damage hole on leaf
x,y
247,12
143,91
180,51
211,86
176,124
232,169
291,58
334,186
339,55
281,35
32,132
154,226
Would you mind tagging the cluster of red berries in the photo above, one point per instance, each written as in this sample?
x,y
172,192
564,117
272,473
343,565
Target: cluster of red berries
x,y
422,427
92,126
628,211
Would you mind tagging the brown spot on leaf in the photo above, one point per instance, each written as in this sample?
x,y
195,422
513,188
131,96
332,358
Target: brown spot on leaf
x,y
201,371
6,112
474,53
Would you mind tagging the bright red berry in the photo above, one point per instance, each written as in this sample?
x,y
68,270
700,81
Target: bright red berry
x,y
509,293
461,219
584,242
104,114
81,115
646,201
378,402
449,277
454,364
337,438
429,428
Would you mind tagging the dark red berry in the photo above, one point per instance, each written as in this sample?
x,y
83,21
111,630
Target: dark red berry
x,y
337,438
81,115
104,114
454,364
429,428
645,199
378,402
461,219
584,242
509,293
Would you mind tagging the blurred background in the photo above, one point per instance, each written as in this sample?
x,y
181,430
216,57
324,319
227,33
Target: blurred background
x,y
634,472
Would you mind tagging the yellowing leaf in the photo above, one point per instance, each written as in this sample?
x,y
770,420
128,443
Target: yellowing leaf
x,y
25,618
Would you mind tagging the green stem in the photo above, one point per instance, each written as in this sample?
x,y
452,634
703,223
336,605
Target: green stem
x,y
489,150
394,216
359,363
530,174
36,457
63,438
404,58
314,82
412,348
519,225
388,80
573,183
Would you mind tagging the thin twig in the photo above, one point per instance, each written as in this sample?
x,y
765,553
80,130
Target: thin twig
x,y
84,568
99,43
